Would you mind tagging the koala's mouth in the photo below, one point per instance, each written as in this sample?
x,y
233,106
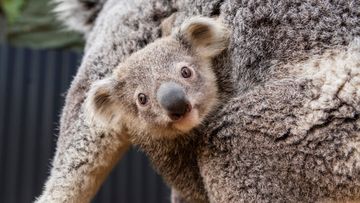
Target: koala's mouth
x,y
178,116
187,121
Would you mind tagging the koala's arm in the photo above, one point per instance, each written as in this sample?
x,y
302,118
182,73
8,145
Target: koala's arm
x,y
85,153
81,164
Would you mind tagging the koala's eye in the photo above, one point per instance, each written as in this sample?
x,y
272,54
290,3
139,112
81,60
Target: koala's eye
x,y
142,99
185,72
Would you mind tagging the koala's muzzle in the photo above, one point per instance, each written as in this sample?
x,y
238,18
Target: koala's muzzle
x,y
172,98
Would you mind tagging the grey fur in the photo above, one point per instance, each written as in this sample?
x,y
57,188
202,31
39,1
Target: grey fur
x,y
257,155
270,142
114,103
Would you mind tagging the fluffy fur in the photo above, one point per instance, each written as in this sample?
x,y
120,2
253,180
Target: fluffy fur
x,y
298,146
78,15
113,101
285,132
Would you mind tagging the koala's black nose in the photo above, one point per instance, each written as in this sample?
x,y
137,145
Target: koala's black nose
x,y
172,98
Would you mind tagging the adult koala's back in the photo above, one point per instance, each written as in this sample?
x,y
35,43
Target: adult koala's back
x,y
291,132
294,139
270,98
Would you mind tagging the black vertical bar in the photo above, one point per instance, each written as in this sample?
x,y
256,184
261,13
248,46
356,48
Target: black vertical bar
x,y
3,91
48,107
47,112
105,192
137,167
65,73
57,99
130,179
151,186
30,140
123,179
40,163
22,171
3,81
114,184
15,126
164,192
75,59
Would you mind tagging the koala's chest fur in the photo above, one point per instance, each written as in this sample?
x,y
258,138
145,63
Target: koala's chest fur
x,y
177,161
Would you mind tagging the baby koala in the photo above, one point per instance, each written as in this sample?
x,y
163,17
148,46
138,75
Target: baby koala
x,y
165,89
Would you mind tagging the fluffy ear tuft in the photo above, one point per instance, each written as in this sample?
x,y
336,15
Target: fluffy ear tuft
x,y
207,36
100,103
78,15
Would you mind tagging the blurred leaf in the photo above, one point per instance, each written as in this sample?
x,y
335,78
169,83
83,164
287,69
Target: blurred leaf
x,y
37,27
12,9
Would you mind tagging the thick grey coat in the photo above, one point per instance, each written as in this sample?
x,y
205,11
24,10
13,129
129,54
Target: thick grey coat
x,y
288,129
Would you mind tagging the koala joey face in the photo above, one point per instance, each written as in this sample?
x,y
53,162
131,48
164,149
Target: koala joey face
x,y
168,87
167,93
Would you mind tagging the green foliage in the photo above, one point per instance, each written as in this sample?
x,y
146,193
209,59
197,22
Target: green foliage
x,y
12,9
31,23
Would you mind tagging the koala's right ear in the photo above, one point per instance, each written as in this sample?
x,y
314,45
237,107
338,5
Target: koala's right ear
x,y
100,103
208,37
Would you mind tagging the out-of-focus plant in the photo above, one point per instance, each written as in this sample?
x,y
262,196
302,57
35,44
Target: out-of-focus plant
x,y
11,8
32,23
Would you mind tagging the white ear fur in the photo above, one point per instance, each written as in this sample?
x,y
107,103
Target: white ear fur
x,y
100,104
75,15
208,36
167,25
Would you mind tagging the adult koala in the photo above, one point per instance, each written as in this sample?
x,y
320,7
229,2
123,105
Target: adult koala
x,y
289,133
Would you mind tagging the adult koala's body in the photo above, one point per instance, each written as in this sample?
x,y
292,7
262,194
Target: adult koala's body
x,y
293,139
292,116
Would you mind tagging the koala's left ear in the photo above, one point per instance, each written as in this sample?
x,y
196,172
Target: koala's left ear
x,y
207,36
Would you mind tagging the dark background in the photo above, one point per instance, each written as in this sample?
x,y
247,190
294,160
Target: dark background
x,y
33,84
